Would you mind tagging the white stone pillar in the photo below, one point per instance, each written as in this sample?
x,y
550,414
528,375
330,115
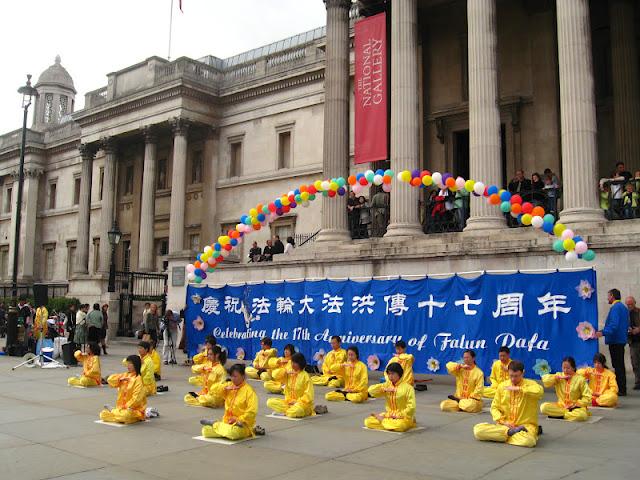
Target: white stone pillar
x,y
577,114
626,87
146,254
107,213
178,185
485,163
84,210
335,155
405,116
29,218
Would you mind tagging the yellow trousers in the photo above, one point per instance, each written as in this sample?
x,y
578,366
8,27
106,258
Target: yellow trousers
x,y
224,430
120,415
252,373
274,387
489,392
491,432
553,409
82,382
292,411
207,400
196,381
608,399
150,390
392,424
352,397
469,405
323,381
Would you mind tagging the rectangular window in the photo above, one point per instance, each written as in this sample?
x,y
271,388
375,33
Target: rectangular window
x,y
163,246
76,191
49,261
235,169
196,167
284,149
126,255
101,181
194,242
71,258
128,179
4,261
53,190
96,254
6,207
161,175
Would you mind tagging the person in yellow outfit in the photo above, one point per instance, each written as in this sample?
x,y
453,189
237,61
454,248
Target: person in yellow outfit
x,y
260,363
405,360
573,394
40,326
274,386
356,380
91,376
400,405
469,385
298,390
240,408
155,358
332,366
514,410
146,370
213,373
132,399
499,372
202,357
602,383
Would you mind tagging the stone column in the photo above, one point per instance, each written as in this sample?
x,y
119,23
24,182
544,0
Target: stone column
x,y
84,210
27,255
626,87
211,165
577,114
107,213
146,254
484,115
178,185
335,154
405,116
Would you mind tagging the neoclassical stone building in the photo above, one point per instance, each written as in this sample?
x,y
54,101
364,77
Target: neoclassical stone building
x,y
175,151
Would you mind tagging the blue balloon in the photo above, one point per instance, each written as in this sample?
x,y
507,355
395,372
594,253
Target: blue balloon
x,y
577,238
359,176
296,191
380,172
520,218
278,203
492,189
234,241
505,196
261,217
547,227
198,272
217,247
243,218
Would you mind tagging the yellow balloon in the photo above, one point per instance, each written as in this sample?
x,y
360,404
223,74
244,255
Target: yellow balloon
x,y
318,185
304,196
334,186
285,200
253,212
468,185
427,180
526,219
558,228
569,244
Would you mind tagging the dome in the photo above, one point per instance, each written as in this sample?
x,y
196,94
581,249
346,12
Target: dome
x,y
56,74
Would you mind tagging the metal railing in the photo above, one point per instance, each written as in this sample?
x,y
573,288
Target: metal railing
x,y
368,222
54,290
142,285
546,198
305,238
444,214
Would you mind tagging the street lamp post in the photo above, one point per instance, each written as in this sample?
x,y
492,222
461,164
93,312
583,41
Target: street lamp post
x,y
114,238
28,92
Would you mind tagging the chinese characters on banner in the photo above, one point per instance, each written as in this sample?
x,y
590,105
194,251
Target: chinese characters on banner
x,y
536,315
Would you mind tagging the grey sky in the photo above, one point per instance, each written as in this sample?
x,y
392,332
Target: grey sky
x,y
95,37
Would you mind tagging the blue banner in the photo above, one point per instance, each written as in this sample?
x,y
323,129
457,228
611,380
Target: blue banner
x,y
538,316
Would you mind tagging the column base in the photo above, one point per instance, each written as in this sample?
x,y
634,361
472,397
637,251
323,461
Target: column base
x,y
587,217
485,223
333,235
404,230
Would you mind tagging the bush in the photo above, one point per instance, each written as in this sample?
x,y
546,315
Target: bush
x,y
61,304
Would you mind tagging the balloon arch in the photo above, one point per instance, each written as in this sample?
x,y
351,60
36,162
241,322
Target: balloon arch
x,y
566,241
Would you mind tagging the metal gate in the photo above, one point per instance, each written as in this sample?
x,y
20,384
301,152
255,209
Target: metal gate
x,y
138,287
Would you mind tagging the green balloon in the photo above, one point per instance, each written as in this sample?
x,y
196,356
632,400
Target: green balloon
x,y
341,182
558,246
312,197
505,207
589,255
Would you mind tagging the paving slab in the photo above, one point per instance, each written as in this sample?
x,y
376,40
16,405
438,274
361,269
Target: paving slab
x,y
108,473
50,429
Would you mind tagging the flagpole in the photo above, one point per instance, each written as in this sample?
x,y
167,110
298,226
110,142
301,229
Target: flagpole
x,y
170,30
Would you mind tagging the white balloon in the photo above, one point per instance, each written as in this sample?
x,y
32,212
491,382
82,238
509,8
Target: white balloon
x,y
437,178
514,215
191,276
460,183
325,185
537,222
368,173
305,204
377,180
224,252
479,188
571,256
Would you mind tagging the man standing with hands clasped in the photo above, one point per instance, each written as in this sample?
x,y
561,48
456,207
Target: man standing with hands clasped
x,y
634,338
615,335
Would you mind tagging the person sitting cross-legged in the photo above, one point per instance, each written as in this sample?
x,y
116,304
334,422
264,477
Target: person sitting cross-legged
x,y
298,390
400,405
260,369
213,373
499,372
91,376
276,364
514,410
356,380
405,360
202,357
469,385
332,366
146,370
574,395
602,382
132,399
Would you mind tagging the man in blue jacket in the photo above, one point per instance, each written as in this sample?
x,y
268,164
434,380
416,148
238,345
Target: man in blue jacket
x,y
615,332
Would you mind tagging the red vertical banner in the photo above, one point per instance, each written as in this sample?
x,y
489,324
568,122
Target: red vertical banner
x,y
371,89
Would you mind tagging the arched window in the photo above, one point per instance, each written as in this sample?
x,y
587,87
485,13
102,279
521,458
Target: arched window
x,y
48,108
63,106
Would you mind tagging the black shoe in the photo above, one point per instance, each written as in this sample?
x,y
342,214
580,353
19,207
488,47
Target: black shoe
x,y
636,387
206,422
540,432
556,418
166,363
258,430
157,377
321,410
454,398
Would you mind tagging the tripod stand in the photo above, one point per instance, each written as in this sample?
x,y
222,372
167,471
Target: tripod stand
x,y
170,345
41,358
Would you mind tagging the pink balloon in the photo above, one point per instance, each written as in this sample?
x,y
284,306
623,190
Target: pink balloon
x,y
567,234
386,187
191,268
581,247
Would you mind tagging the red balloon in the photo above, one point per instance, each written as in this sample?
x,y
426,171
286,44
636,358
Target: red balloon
x,y
228,247
486,191
516,199
312,190
257,227
272,207
527,207
331,193
424,172
364,182
292,198
286,208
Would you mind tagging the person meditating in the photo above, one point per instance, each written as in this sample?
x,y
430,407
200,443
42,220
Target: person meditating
x,y
155,358
469,385
202,357
260,368
91,376
573,394
514,410
240,408
298,390
213,373
356,380
499,372
405,360
132,399
400,403
146,369
602,382
275,364
332,366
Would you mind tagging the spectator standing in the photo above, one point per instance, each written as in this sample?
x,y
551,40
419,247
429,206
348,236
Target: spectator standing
x,y
634,338
267,253
520,184
169,334
461,207
551,192
291,244
255,253
379,208
70,321
629,201
365,217
615,331
621,171
105,328
537,186
278,246
145,311
554,178
636,181
352,202
152,323
94,324
80,335
3,321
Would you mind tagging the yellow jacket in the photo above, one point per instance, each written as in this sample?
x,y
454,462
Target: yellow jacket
x,y
146,372
90,366
40,322
277,364
155,357
406,362
201,357
239,402
263,356
400,400
216,375
572,392
131,393
519,408
332,363
469,383
356,377
297,387
499,373
604,382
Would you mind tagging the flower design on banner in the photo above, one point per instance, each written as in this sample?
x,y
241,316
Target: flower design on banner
x,y
433,365
196,298
585,290
541,367
198,324
240,354
373,362
318,357
585,331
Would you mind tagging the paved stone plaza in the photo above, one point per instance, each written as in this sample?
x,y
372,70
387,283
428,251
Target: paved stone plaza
x,y
47,430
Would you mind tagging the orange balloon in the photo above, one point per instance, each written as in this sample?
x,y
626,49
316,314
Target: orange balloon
x,y
494,199
235,234
451,182
386,179
257,227
537,212
416,182
352,180
197,264
516,208
259,207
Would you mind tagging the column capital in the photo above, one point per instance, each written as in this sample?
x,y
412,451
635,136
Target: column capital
x,y
87,151
346,4
150,133
109,144
180,126
33,172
